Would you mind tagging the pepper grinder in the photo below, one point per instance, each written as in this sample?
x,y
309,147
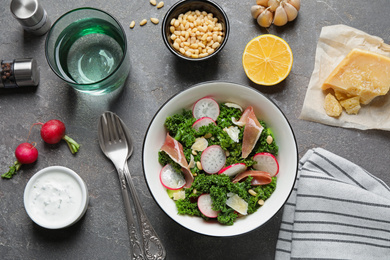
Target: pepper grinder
x,y
31,16
19,73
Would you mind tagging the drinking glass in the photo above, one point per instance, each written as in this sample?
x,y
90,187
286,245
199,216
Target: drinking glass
x,y
87,48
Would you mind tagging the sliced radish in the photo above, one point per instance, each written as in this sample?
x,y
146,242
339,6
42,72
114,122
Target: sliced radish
x,y
266,162
213,158
171,179
202,122
233,170
206,107
205,205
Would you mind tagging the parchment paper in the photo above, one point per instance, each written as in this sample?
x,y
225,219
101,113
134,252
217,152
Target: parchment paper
x,y
334,44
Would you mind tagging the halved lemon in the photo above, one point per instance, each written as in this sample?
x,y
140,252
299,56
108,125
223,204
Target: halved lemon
x,y
267,59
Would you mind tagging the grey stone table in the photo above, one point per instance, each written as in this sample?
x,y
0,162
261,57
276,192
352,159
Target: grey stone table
x,y
155,76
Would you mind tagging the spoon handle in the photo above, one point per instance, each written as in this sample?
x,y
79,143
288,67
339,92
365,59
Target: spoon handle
x,y
135,242
153,248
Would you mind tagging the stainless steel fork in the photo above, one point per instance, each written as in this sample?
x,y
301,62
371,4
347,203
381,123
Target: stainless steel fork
x,y
116,144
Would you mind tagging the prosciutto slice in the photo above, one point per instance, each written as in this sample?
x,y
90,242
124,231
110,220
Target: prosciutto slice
x,y
175,151
259,177
252,131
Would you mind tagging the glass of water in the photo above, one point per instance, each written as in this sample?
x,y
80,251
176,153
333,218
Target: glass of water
x,y
87,48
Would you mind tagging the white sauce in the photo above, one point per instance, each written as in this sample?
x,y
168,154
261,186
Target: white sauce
x,y
55,198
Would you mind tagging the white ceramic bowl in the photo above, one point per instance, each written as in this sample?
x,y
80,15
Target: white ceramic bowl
x,y
56,197
265,110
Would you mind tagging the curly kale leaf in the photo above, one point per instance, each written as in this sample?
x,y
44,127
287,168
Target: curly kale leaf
x,y
225,115
262,145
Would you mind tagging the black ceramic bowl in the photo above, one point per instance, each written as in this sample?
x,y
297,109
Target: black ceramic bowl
x,y
184,6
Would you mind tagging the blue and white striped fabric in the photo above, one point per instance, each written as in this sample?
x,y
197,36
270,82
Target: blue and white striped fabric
x,y
337,210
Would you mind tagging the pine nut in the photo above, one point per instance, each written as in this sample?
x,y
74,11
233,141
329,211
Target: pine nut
x,y
269,139
227,153
160,5
252,192
153,2
261,202
143,22
199,165
194,152
132,24
154,20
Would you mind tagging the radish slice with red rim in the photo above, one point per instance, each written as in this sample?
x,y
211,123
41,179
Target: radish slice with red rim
x,y
233,170
205,205
171,178
202,122
206,107
213,159
266,162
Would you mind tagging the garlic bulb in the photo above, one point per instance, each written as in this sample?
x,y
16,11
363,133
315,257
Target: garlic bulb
x,y
278,12
256,10
295,3
280,17
265,18
262,2
291,11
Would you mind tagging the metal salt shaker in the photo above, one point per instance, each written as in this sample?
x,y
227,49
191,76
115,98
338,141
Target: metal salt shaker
x,y
31,16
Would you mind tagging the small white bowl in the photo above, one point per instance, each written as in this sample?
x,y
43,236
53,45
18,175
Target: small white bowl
x,y
56,197
265,110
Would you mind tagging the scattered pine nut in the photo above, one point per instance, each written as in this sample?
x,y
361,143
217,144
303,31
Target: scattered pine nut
x,y
194,152
132,24
154,20
252,192
269,139
199,165
143,22
153,2
261,202
160,5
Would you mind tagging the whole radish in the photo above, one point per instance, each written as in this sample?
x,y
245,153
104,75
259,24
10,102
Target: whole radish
x,y
25,153
53,131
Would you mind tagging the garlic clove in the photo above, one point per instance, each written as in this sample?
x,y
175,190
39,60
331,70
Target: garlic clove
x,y
273,4
256,10
295,3
265,18
290,11
280,18
262,2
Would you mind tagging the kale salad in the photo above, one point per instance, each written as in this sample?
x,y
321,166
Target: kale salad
x,y
219,161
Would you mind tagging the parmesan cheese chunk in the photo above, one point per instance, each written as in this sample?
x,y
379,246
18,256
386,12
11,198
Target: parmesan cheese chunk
x,y
361,73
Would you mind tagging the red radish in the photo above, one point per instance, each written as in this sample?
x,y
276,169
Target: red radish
x,y
266,162
205,205
171,179
202,122
213,158
233,170
206,107
25,153
53,131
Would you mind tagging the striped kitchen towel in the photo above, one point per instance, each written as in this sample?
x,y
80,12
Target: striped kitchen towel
x,y
337,210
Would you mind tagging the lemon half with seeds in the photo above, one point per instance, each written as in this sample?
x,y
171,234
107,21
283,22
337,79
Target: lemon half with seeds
x,y
267,59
